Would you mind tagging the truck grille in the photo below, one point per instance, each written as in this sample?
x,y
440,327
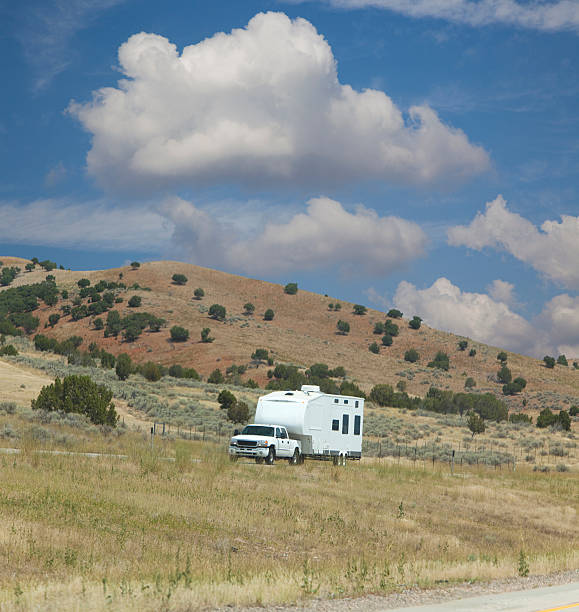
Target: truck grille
x,y
247,443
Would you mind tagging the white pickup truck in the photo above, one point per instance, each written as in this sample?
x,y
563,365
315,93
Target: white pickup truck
x,y
265,443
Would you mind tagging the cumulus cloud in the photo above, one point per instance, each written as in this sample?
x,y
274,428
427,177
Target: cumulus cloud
x,y
553,250
536,15
476,315
261,105
98,224
561,318
502,291
324,236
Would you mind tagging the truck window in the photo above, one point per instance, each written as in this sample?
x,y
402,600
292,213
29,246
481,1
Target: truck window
x,y
357,420
283,433
335,425
345,422
278,433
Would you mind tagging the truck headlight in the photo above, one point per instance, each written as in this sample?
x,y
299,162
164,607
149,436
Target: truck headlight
x,y
262,443
233,443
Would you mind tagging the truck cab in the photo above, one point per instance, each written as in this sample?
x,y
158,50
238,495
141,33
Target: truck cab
x,y
265,442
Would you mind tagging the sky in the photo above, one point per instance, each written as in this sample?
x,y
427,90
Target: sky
x,y
417,154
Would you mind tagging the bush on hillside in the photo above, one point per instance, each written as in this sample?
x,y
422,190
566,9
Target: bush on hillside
x,y
387,340
268,315
217,312
359,309
379,329
179,279
179,334
562,360
124,366
199,293
415,323
260,354
411,355
135,301
205,337
504,375
469,383
291,288
440,361
216,377
549,361
374,348
393,313
343,327
462,344
248,309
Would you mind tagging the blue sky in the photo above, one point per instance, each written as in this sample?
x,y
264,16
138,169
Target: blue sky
x,y
418,154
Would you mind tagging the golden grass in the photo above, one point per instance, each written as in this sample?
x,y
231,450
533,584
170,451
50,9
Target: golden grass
x,y
147,533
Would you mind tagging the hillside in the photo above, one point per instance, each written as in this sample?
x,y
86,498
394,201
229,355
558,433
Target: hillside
x,y
302,332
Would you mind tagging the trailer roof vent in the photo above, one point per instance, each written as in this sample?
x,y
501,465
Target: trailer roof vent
x,y
289,393
310,389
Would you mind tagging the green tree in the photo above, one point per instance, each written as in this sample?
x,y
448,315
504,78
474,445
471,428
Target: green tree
x,y
135,301
135,265
476,424
391,328
131,333
472,353
260,354
502,357
549,361
374,348
440,361
359,309
179,279
238,412
291,288
78,394
217,311
462,344
387,340
83,282
216,377
563,420
199,293
53,319
124,366
546,418
379,329
343,327
415,323
562,360
248,309
179,334
411,355
504,375
205,337
268,315
226,399
393,313
382,394
574,410
152,371
469,383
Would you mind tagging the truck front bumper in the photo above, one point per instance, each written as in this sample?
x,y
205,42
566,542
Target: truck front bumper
x,y
237,451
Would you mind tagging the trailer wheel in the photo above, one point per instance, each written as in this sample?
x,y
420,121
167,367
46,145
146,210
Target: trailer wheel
x,y
270,459
296,458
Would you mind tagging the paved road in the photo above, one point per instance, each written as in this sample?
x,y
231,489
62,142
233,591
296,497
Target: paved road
x,y
545,599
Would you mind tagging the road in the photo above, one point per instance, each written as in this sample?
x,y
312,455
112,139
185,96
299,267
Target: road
x,y
545,599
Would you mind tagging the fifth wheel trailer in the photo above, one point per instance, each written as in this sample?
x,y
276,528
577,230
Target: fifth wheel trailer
x,y
327,426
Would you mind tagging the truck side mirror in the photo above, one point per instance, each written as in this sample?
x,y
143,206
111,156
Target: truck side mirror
x,y
236,432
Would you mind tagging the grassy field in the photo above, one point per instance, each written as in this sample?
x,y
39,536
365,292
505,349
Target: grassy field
x,y
179,527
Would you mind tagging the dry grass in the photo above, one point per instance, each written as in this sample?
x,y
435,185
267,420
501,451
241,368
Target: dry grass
x,y
147,533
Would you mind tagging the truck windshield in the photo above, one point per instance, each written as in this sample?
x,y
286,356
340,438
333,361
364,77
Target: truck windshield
x,y
257,430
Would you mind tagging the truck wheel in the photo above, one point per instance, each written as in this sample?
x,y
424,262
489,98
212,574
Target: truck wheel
x,y
296,458
270,459
259,460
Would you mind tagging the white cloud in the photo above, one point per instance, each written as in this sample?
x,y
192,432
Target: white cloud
x,y
502,291
88,225
553,251
324,236
257,106
381,301
536,15
475,315
561,318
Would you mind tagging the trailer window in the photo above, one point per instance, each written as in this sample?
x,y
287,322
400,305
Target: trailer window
x,y
336,425
345,422
345,401
357,421
356,404
336,401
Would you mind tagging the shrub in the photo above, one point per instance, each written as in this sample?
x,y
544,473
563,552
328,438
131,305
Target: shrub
x,y
337,306
179,279
387,340
8,351
179,334
379,329
472,353
268,315
135,301
574,411
546,418
401,385
440,361
359,309
411,355
124,366
205,337
415,323
53,319
64,294
462,344
476,424
131,333
291,288
98,323
563,420
337,372
78,394
519,417
502,357
217,311
382,394
226,399
374,348
135,265
199,293
248,309
216,377
394,313
260,354
549,361
469,383
562,360
83,282
391,328
152,371
238,412
343,327
504,375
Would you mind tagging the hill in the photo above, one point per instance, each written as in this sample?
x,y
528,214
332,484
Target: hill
x,y
302,332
